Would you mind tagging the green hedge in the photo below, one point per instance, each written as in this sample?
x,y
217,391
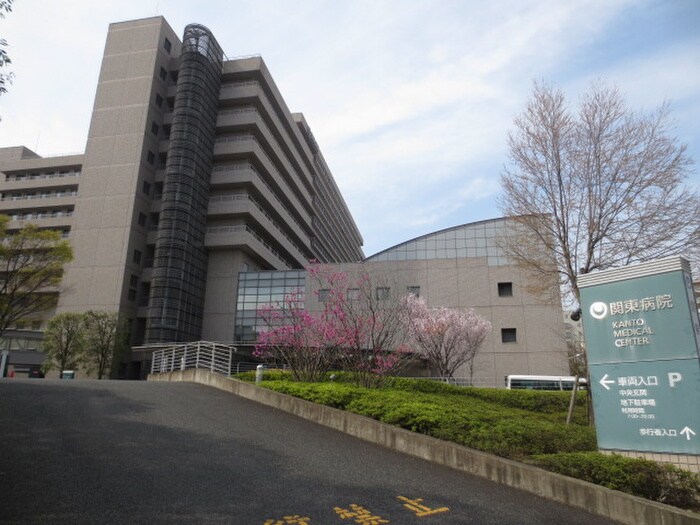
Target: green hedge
x,y
647,479
336,395
268,375
504,431
516,424
508,432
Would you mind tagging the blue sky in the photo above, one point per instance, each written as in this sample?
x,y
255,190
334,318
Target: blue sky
x,y
411,101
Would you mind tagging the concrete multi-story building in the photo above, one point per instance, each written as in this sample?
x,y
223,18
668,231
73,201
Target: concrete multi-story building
x,y
194,170
200,197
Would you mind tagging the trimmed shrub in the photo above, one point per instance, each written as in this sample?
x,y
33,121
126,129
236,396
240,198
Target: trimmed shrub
x,y
507,432
641,477
268,375
329,394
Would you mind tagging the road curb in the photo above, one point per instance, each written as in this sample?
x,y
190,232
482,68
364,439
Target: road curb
x,y
627,509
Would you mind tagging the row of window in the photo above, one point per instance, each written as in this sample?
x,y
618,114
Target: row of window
x,y
46,175
151,159
382,293
38,195
146,186
41,214
133,285
471,240
505,289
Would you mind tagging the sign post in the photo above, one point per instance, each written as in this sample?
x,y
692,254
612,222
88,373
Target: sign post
x,y
642,331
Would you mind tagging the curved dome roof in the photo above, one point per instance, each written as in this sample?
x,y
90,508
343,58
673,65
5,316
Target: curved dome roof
x,y
475,239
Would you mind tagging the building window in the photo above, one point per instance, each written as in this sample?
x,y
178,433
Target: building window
x,y
159,100
167,45
382,293
323,295
137,257
142,219
151,157
163,74
146,187
134,281
353,294
505,289
154,128
132,295
508,335
413,290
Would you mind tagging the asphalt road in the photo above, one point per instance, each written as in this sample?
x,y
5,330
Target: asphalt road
x,y
136,452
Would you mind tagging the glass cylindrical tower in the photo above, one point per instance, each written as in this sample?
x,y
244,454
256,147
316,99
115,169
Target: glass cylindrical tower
x,y
180,263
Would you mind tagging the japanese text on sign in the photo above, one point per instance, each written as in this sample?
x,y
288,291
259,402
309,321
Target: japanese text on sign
x,y
646,304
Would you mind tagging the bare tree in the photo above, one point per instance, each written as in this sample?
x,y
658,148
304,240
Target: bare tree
x,y
31,267
599,188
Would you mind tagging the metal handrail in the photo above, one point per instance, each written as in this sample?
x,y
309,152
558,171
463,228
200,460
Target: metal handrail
x,y
217,357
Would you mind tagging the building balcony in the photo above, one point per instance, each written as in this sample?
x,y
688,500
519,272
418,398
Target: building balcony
x,y
247,119
239,147
244,174
244,238
236,204
10,204
40,182
54,223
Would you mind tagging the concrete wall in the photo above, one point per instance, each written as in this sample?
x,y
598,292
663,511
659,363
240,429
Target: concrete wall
x,y
626,509
466,282
221,293
105,231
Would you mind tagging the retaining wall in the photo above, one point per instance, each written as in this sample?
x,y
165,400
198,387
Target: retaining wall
x,y
627,509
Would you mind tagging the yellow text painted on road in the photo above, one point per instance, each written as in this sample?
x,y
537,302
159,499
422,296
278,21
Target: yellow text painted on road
x,y
415,506
363,516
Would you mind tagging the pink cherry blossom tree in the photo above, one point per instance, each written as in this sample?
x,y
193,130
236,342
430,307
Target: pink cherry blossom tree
x,y
373,323
305,342
446,337
353,329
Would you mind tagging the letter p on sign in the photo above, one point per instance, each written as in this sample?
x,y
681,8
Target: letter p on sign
x,y
673,378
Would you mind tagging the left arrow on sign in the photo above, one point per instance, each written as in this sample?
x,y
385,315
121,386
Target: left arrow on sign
x,y
688,432
605,382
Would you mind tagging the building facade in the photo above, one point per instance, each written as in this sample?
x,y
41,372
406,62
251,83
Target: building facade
x,y
194,170
461,267
201,197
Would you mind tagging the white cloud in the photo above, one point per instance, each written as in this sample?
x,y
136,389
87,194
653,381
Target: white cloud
x,y
410,100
